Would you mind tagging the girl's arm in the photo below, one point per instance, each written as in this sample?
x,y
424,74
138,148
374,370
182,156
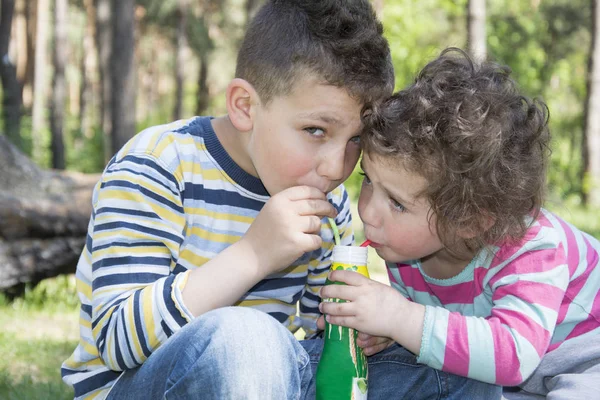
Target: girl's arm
x,y
505,347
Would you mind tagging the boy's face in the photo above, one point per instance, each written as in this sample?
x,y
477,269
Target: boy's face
x,y
394,218
309,137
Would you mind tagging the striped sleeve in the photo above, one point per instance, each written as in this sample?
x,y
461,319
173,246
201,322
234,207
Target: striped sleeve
x,y
505,347
138,229
319,267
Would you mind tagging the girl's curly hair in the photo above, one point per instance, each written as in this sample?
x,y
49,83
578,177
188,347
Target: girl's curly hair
x,y
480,144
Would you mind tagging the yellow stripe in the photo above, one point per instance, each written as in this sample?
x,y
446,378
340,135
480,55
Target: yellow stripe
x,y
212,236
131,328
219,216
192,258
84,288
147,300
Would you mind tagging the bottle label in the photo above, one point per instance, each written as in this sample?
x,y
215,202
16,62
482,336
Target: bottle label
x,y
359,389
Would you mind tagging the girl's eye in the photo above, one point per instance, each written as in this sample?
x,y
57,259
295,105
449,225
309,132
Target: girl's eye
x,y
314,131
366,179
397,206
355,140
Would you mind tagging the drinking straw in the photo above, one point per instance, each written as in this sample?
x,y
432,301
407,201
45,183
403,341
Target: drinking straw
x,y
336,232
365,243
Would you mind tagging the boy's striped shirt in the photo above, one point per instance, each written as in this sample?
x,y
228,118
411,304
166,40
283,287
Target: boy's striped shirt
x,y
168,202
495,320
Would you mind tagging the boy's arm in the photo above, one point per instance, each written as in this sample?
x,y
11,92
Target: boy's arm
x,y
505,347
319,268
139,225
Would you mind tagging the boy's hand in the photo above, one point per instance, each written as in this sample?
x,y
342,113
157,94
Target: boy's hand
x,y
370,344
287,227
374,309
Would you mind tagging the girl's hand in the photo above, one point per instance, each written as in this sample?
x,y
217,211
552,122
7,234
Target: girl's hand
x,y
374,309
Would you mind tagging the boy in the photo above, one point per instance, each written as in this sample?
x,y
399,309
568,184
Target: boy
x,y
197,215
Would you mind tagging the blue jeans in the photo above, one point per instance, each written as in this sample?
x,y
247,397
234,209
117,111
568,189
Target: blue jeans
x,y
240,353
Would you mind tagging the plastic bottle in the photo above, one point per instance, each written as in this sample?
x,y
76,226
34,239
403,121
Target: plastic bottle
x,y
342,370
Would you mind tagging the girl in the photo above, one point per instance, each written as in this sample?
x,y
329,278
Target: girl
x,y
485,283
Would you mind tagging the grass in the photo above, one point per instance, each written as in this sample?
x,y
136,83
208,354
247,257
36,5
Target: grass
x,y
37,333
40,330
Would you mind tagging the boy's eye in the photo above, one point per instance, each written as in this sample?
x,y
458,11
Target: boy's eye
x,y
397,206
314,131
355,140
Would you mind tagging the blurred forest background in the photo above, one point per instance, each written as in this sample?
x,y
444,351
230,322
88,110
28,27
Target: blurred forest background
x,y
81,77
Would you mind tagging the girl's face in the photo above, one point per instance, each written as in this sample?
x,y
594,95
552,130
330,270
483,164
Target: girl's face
x,y
395,219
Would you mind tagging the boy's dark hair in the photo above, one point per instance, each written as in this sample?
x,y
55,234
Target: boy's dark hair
x,y
479,143
340,41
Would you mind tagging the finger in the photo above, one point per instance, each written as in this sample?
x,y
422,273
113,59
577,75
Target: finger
x,y
344,292
347,321
373,341
304,192
332,308
312,224
321,322
369,351
308,242
351,278
320,207
364,336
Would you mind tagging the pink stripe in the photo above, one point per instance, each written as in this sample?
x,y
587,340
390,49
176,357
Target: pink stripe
x,y
533,293
579,282
413,278
572,247
532,262
506,251
462,293
508,372
456,356
583,327
543,220
526,327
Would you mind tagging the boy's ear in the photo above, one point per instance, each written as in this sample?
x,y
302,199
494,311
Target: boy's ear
x,y
240,99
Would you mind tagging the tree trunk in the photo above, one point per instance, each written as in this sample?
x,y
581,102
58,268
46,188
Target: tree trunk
x,y
39,80
11,89
59,85
202,95
104,47
87,67
43,219
476,29
591,129
181,45
123,73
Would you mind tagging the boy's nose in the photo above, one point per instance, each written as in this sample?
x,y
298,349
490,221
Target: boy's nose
x,y
332,166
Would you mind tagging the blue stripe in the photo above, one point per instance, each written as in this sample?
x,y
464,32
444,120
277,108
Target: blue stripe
x,y
173,311
278,283
124,279
152,178
138,228
166,328
87,309
130,260
145,192
279,316
127,335
309,296
125,211
221,197
137,318
93,382
153,165
119,357
128,244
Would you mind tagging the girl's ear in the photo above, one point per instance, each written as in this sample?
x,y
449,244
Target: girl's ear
x,y
241,99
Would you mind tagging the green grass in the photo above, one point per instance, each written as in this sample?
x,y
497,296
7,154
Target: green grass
x,y
37,333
